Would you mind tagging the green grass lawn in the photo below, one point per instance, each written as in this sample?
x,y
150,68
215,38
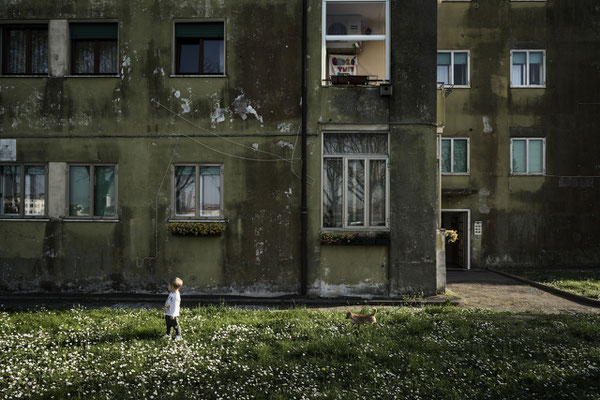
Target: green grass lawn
x,y
582,282
430,353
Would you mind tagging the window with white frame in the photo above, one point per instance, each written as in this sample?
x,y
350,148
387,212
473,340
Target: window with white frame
x,y
528,156
197,191
92,191
455,156
355,180
23,190
453,68
528,68
356,41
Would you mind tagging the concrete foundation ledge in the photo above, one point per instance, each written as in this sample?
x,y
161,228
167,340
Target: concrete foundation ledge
x,y
562,293
32,301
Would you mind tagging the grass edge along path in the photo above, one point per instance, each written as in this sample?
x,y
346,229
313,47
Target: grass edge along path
x,y
416,353
582,286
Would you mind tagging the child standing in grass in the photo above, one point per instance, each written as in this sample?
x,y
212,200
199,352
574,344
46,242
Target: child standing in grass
x,y
171,308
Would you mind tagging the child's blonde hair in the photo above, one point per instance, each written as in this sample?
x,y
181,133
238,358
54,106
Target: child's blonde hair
x,y
176,283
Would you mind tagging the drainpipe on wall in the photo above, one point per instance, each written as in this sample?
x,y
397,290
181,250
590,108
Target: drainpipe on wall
x,y
303,206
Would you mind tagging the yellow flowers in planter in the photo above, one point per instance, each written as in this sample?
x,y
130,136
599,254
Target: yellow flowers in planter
x,y
451,235
337,237
196,228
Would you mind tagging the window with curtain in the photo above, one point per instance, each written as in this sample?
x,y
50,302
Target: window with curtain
x,y
200,48
197,191
455,156
92,191
453,68
23,190
528,68
25,50
94,48
355,180
528,156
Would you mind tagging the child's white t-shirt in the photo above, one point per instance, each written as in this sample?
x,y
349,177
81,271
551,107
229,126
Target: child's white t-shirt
x,y
173,302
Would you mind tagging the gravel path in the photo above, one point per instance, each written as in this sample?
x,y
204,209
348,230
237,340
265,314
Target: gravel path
x,y
486,289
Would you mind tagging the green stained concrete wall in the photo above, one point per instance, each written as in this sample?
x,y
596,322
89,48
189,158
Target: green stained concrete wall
x,y
527,220
132,120
409,115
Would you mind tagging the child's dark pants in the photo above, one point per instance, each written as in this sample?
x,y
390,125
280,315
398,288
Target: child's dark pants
x,y
172,322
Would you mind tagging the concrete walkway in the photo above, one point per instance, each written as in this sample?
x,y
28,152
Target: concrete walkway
x,y
485,289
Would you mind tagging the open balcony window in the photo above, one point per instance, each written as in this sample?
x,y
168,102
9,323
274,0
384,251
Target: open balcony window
x,y
94,48
25,50
200,48
356,44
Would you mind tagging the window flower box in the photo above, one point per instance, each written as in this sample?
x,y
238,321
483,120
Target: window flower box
x,y
196,228
349,79
355,238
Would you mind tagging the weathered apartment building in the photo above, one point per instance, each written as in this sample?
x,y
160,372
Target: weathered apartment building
x,y
252,147
520,170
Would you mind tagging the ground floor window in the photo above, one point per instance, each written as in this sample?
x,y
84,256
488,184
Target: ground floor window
x,y
355,180
92,191
197,191
455,156
528,156
23,190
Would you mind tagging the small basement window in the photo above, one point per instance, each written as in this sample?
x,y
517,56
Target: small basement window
x,y
356,42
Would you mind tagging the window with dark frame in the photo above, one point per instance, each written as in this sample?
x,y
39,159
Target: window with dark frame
x,y
94,48
92,191
25,49
197,191
200,48
23,190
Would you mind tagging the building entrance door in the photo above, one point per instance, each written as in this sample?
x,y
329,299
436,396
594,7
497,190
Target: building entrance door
x,y
458,254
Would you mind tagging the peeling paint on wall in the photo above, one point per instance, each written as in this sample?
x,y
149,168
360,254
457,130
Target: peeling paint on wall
x,y
487,128
243,107
284,127
217,115
483,197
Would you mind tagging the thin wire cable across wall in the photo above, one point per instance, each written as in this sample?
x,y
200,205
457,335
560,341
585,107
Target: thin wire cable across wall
x,y
277,158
